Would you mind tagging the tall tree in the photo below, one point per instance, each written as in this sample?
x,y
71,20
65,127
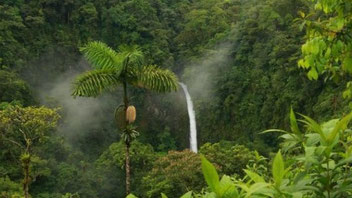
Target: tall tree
x,y
26,128
112,69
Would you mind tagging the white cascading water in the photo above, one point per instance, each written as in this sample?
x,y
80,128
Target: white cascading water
x,y
192,120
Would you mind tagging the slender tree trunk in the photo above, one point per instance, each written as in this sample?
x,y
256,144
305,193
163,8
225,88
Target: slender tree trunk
x,y
26,181
128,175
125,98
127,161
26,159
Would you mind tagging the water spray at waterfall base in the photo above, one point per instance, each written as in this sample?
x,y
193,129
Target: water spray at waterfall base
x,y
192,120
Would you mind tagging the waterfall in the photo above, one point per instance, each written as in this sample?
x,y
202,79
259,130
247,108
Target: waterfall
x,y
192,120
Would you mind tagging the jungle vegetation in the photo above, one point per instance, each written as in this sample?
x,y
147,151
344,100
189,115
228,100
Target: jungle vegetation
x,y
270,80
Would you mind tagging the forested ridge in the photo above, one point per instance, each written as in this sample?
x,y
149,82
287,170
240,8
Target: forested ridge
x,y
248,64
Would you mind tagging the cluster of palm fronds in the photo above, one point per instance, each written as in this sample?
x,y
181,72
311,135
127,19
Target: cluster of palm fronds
x,y
111,68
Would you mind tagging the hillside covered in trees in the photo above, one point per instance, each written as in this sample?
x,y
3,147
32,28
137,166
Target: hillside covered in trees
x,y
90,105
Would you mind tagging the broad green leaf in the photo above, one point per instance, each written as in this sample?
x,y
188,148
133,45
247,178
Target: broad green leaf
x,y
254,176
313,74
289,137
302,25
318,6
331,164
309,157
341,125
302,14
257,188
210,174
314,126
278,169
243,186
231,193
227,188
328,52
187,195
347,64
336,24
347,93
210,195
163,195
312,139
297,195
131,196
314,46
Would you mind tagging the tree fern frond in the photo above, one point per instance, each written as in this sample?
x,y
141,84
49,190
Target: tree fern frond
x,y
92,83
157,79
102,56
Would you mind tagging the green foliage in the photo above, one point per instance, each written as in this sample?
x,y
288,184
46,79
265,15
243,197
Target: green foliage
x,y
131,196
10,189
125,67
93,83
69,195
178,172
167,142
13,88
174,174
319,166
12,48
129,133
160,80
66,170
278,169
205,23
219,188
327,47
259,80
111,165
26,128
210,175
251,91
101,56
112,68
230,158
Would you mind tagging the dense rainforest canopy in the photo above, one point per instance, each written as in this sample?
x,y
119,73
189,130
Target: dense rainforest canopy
x,y
246,64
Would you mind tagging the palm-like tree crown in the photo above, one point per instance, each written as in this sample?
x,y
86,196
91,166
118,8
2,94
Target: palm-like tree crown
x,y
111,69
